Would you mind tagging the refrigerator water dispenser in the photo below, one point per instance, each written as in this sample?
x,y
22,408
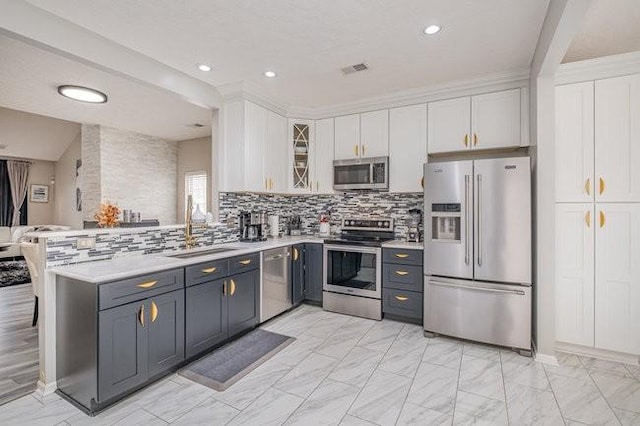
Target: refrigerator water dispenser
x,y
445,222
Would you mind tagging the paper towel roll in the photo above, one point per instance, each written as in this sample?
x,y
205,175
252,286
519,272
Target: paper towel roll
x,y
274,226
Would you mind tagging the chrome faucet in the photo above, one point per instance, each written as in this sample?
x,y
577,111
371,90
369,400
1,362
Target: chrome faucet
x,y
189,238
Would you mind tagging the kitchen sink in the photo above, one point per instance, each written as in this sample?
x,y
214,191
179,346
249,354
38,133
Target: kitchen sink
x,y
189,255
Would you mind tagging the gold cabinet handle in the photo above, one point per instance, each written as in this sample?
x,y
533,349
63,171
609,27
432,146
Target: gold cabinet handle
x,y
270,183
422,182
141,315
466,140
402,298
209,270
362,149
232,291
295,254
245,262
317,185
587,219
224,288
148,284
402,273
475,139
603,219
602,186
401,255
587,186
154,311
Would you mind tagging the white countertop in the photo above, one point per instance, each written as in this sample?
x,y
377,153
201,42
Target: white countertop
x,y
124,267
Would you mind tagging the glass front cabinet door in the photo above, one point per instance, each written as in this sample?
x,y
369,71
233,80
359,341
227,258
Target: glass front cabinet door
x,y
300,155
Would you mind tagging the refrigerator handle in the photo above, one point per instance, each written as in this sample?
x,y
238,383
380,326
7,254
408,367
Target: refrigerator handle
x,y
466,219
479,220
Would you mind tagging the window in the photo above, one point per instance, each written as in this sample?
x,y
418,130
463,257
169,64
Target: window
x,y
196,185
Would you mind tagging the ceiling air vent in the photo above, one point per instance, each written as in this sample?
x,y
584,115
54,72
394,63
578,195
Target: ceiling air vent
x,y
195,125
354,68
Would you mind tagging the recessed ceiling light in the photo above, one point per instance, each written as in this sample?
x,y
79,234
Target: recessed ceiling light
x,y
83,94
204,67
269,74
432,29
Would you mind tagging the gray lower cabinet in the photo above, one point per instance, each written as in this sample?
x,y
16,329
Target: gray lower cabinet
x,y
297,273
221,308
313,275
114,337
165,328
122,350
242,301
402,284
206,316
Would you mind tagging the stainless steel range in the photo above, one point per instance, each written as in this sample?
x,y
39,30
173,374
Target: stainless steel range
x,y
353,267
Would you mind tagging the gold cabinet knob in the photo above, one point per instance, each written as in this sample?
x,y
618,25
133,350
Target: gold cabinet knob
x,y
402,298
475,139
587,219
602,186
232,290
603,219
209,270
141,315
587,186
401,255
466,140
402,273
245,262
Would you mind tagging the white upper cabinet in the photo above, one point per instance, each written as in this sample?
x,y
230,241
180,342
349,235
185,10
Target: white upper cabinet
x,y
323,155
617,290
347,137
575,245
575,143
617,139
362,135
374,134
407,147
275,159
301,151
449,125
231,151
255,136
495,120
487,121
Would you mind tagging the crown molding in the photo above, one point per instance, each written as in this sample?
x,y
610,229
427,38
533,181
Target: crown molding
x,y
488,83
598,68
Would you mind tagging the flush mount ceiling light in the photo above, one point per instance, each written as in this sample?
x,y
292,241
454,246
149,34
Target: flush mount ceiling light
x,y
432,29
269,74
82,94
204,67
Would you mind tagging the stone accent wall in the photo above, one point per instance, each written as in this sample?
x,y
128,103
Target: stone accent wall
x,y
132,170
91,186
309,207
112,244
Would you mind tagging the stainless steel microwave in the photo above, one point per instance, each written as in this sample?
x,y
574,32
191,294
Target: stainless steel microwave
x,y
362,173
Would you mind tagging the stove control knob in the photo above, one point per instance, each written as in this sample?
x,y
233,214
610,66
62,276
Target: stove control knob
x,y
379,224
386,224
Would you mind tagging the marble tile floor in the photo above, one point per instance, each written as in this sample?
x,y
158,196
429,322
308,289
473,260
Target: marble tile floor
x,y
18,343
350,371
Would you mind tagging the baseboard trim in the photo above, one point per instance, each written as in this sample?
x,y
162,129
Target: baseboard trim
x,y
44,389
546,359
598,353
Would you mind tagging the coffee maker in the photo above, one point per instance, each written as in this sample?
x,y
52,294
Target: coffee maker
x,y
294,225
415,219
253,226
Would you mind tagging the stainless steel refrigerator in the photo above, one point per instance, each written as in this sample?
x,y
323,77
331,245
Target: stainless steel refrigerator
x,y
478,250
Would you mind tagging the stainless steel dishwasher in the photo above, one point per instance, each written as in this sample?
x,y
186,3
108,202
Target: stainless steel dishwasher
x,y
276,282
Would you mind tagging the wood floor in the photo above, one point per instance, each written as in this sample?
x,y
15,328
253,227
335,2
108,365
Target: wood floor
x,y
18,343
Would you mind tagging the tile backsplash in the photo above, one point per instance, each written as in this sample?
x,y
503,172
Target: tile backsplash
x,y
309,207
62,250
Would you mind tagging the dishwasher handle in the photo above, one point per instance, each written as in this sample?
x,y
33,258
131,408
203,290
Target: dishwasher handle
x,y
277,257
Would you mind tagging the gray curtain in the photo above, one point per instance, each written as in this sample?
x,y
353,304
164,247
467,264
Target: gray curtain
x,y
18,178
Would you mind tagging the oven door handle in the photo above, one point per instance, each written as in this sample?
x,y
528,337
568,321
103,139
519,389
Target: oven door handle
x,y
356,249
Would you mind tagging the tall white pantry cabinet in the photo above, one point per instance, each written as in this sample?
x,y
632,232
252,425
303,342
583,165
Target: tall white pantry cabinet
x,y
598,214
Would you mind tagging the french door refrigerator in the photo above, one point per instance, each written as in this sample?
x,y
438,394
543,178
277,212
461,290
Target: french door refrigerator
x,y
478,250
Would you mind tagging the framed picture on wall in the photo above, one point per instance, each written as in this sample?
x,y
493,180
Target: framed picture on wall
x,y
39,194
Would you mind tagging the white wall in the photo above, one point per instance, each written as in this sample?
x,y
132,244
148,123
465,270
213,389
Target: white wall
x,y
40,173
65,212
193,155
132,170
